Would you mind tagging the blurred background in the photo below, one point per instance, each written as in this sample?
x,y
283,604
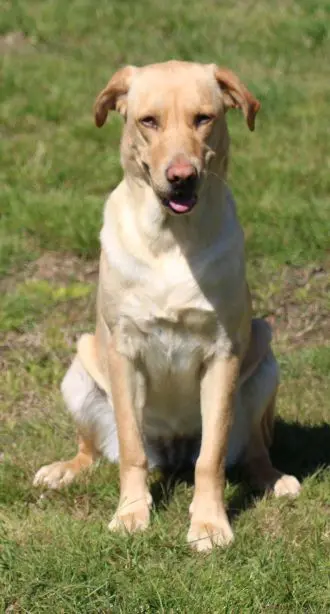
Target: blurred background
x,y
56,170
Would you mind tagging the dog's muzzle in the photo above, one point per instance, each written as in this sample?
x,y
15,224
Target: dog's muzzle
x,y
182,178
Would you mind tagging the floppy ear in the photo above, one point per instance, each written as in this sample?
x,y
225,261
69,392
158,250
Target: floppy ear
x,y
113,97
236,95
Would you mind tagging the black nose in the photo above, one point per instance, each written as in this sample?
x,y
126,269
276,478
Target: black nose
x,y
184,187
184,184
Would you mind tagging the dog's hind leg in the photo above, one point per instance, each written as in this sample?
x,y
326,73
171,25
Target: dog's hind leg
x,y
257,462
62,473
252,430
258,398
94,417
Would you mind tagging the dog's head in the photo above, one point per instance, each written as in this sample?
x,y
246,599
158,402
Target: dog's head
x,y
174,123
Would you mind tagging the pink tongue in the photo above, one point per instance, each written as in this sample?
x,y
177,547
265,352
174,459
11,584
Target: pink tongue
x,y
180,207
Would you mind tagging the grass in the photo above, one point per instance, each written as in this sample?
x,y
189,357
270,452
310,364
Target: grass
x,y
56,554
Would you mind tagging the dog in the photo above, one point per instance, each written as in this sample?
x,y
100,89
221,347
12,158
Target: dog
x,y
177,371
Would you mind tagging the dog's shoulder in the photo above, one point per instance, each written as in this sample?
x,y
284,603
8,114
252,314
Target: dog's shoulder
x,y
119,238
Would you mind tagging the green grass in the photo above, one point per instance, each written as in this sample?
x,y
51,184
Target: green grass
x,y
56,554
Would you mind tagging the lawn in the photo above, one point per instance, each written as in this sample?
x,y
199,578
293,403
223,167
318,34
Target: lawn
x,y
56,554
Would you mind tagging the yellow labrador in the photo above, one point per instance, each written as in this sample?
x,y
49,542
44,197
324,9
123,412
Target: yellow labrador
x,y
176,372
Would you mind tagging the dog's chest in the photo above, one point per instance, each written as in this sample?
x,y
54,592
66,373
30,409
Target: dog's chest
x,y
180,300
170,318
174,318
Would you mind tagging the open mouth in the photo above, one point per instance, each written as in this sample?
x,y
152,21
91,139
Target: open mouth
x,y
180,205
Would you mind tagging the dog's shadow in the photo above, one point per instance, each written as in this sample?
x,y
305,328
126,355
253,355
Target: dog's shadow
x,y
297,449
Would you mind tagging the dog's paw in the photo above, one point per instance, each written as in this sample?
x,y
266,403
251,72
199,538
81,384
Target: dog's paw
x,y
54,476
203,536
132,517
287,485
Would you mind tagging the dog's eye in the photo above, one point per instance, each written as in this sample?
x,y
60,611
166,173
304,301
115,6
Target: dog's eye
x,y
202,119
149,122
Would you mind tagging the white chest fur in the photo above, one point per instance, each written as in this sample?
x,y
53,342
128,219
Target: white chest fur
x,y
172,314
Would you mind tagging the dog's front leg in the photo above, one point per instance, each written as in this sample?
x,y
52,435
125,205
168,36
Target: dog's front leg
x,y
133,510
209,524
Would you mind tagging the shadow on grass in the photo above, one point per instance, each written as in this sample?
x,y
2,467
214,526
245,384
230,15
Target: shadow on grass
x,y
300,449
297,449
